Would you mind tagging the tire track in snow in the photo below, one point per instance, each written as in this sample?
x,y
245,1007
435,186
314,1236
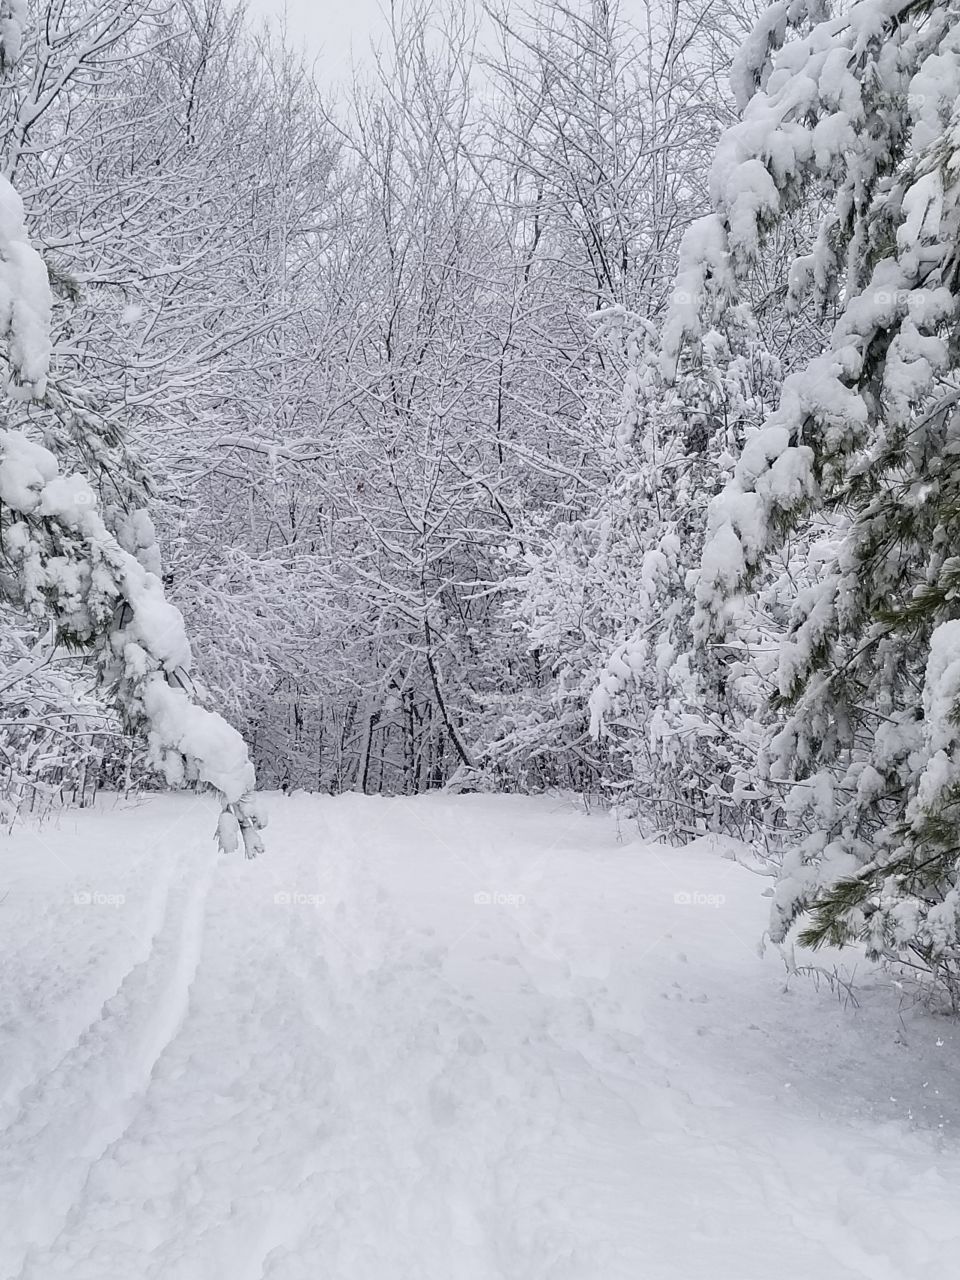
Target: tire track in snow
x,y
70,1001
221,1142
77,1110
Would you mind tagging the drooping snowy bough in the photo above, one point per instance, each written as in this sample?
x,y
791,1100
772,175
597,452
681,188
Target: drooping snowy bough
x,y
856,116
102,592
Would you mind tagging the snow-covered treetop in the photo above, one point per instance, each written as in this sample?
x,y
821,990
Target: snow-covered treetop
x,y
819,109
823,121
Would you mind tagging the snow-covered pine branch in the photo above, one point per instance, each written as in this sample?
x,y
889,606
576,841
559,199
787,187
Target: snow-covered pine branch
x,y
856,115
63,564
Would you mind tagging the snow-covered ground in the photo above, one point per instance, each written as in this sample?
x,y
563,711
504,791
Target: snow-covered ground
x,y
444,1039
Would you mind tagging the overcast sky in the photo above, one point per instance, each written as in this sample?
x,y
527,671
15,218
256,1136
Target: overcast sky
x,y
327,28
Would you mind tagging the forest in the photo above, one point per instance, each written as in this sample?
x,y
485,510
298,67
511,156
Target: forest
x,y
566,401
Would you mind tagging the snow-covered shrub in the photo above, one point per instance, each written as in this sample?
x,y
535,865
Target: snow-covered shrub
x,y
683,716
629,703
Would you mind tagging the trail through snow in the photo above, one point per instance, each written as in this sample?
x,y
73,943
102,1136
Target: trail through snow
x,y
444,1039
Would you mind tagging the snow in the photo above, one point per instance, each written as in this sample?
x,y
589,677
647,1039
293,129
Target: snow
x,y
933,91
217,750
472,1037
703,263
922,209
25,298
13,17
25,469
750,63
941,692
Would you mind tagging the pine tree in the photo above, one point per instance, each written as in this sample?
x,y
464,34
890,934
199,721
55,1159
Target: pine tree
x,y
856,115
98,585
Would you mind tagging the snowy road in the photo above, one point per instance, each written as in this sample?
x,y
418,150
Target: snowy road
x,y
443,1039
